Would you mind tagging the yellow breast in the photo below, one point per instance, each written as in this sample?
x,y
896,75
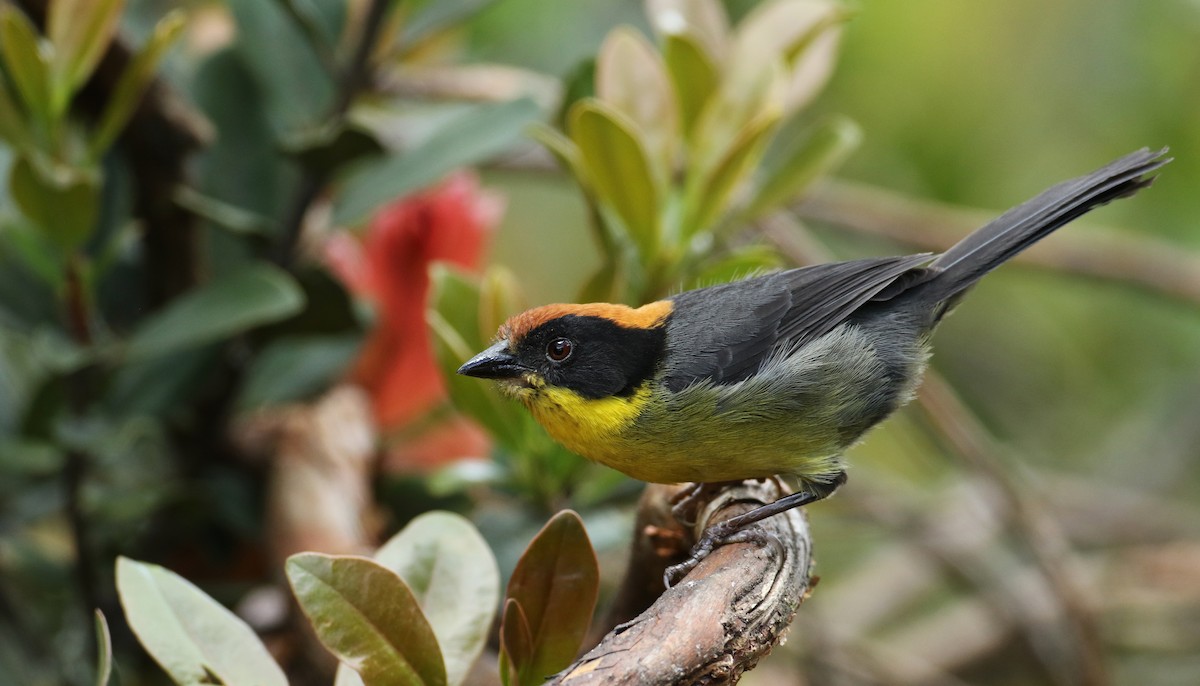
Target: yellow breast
x,y
588,427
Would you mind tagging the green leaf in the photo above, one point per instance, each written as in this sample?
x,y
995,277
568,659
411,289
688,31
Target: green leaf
x,y
797,159
453,575
133,82
477,134
750,260
454,320
631,77
555,584
367,616
620,172
693,76
103,650
709,199
25,62
254,296
736,104
63,202
568,155
188,633
80,31
290,369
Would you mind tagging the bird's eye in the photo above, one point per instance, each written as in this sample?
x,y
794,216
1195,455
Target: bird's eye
x,y
559,349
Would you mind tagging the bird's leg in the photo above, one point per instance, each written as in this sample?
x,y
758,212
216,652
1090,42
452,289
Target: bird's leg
x,y
732,530
684,503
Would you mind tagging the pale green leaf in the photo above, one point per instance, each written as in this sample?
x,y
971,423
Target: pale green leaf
x,y
709,199
799,158
499,298
80,31
132,84
705,20
730,110
631,77
367,616
453,575
693,75
254,296
617,164
188,633
26,62
803,34
103,650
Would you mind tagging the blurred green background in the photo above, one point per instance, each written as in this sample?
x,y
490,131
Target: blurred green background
x,y
1088,390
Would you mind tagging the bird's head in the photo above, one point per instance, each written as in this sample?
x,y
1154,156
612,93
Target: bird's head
x,y
594,351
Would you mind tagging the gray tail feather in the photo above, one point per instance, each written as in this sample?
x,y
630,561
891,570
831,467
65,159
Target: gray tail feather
x,y
1000,240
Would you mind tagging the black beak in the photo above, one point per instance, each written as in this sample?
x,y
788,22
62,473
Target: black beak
x,y
494,363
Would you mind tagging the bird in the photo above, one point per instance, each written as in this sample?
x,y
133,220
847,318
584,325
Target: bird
x,y
774,375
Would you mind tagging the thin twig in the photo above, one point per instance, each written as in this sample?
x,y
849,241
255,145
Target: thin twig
x,y
355,78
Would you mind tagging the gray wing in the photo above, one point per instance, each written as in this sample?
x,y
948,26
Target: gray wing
x,y
723,333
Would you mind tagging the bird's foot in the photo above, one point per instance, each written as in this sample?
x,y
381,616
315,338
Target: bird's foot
x,y
715,536
733,530
685,504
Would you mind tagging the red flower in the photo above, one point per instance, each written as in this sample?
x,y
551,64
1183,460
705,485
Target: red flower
x,y
389,266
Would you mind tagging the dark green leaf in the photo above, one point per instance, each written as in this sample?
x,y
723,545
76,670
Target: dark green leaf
x,y
577,84
188,633
28,457
453,574
299,91
291,369
62,202
252,297
103,650
13,127
799,158
329,149
473,136
555,584
366,615
616,163
127,94
160,385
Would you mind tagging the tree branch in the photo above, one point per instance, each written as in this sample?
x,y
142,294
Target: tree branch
x,y
722,618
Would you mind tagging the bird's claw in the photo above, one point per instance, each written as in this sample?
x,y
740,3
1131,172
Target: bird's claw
x,y
715,536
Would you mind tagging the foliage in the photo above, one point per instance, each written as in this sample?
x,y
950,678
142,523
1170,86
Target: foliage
x,y
417,614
